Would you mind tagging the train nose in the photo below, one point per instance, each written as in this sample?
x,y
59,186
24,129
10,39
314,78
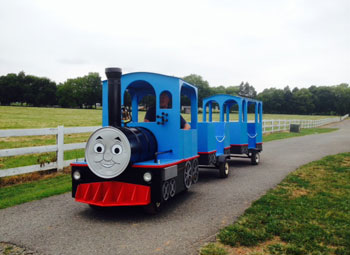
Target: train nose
x,y
108,152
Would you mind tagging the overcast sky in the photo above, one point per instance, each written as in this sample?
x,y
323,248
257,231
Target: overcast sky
x,y
270,43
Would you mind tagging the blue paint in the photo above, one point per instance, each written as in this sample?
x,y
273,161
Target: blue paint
x,y
206,136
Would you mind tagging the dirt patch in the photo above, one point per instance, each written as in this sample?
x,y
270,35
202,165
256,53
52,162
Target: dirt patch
x,y
261,249
346,162
11,249
25,178
295,193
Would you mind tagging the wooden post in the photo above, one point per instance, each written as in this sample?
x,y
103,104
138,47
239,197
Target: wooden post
x,y
60,151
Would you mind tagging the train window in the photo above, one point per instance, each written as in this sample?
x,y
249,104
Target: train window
x,y
244,116
234,112
251,112
259,112
147,107
214,113
140,101
188,107
165,100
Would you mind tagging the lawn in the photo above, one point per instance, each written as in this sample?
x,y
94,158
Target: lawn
x,y
307,213
33,117
12,117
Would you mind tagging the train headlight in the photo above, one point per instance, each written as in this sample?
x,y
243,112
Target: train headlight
x,y
147,177
76,175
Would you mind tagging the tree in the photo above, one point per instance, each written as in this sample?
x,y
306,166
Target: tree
x,y
324,99
232,90
11,88
82,91
202,85
246,90
303,101
273,100
39,91
342,96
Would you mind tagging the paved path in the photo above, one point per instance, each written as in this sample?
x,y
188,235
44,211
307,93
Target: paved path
x,y
58,225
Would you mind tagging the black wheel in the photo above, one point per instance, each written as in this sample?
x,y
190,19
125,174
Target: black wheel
x,y
195,171
172,183
188,175
255,158
152,208
166,190
224,169
212,159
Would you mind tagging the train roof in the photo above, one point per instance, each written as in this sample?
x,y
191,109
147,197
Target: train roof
x,y
225,97
166,80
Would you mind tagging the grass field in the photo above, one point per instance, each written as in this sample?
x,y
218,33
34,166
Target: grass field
x,y
307,213
32,117
12,117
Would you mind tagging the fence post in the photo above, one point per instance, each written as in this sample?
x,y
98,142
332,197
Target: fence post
x,y
272,126
60,143
279,125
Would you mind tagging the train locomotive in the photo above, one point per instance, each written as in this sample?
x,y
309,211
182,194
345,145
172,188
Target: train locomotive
x,y
137,163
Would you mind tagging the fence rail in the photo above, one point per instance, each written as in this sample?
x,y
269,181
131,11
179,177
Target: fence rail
x,y
270,126
60,147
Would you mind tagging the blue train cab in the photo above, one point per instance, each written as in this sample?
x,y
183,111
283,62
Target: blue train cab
x,y
176,158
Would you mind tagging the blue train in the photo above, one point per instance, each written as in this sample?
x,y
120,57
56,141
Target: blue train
x,y
146,162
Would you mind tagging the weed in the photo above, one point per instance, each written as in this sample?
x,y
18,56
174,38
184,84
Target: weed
x,y
213,249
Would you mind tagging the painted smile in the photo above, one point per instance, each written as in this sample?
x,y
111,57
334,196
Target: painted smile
x,y
107,165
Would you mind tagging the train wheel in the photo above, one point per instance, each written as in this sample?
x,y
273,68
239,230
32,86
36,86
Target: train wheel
x,y
255,158
165,190
195,171
212,159
188,175
153,208
224,169
172,187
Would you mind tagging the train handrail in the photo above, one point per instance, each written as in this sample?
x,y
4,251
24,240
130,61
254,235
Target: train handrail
x,y
252,137
216,137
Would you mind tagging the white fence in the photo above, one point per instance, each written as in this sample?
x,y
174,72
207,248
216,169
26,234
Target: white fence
x,y
60,147
270,126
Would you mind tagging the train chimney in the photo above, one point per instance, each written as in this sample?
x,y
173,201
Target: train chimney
x,y
114,96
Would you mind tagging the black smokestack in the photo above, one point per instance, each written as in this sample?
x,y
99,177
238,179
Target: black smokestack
x,y
114,98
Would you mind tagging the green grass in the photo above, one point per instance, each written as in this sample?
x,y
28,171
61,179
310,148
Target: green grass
x,y
12,117
21,193
308,213
303,132
34,159
34,117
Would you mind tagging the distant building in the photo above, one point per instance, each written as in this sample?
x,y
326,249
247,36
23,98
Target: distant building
x,y
186,109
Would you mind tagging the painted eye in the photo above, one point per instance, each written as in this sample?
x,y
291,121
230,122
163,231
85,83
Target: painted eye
x,y
99,148
117,149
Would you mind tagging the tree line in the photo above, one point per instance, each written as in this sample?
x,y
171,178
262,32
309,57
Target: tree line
x,y
86,92
318,100
29,90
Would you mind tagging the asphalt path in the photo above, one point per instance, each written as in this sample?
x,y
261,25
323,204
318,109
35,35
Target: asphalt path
x,y
59,225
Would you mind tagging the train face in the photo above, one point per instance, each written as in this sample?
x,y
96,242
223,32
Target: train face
x,y
108,152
